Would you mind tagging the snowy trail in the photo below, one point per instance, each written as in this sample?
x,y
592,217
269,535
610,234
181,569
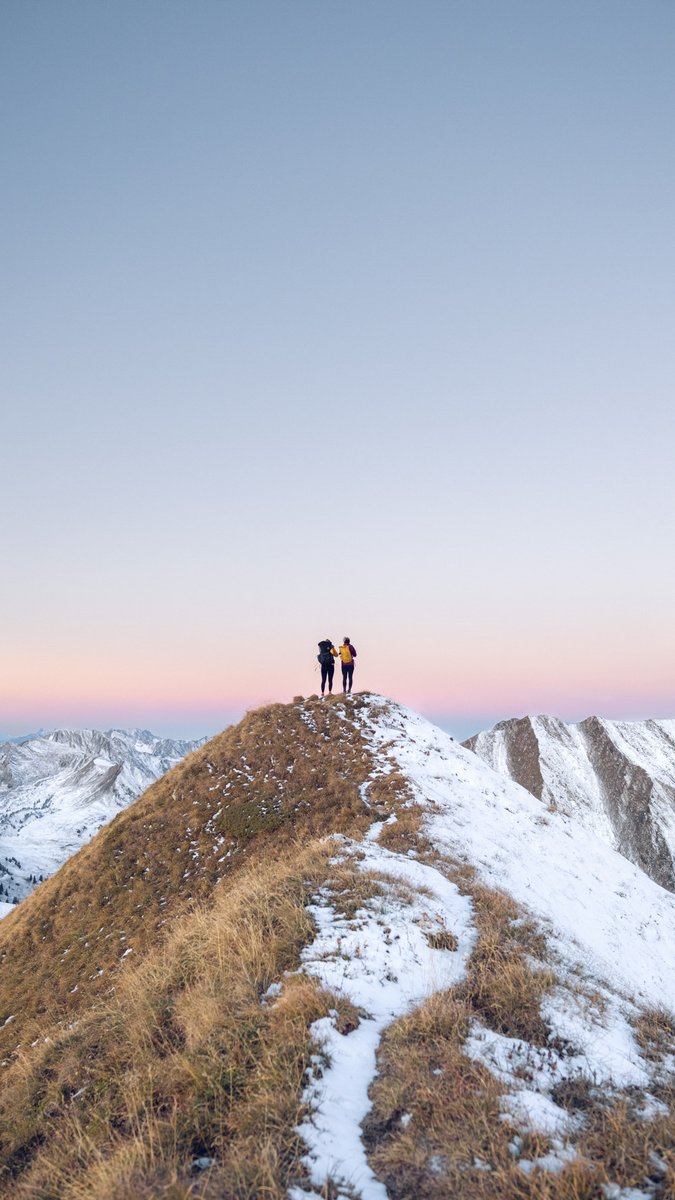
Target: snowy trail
x,y
597,907
382,961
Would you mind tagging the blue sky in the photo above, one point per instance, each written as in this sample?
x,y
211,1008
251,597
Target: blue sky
x,y
319,315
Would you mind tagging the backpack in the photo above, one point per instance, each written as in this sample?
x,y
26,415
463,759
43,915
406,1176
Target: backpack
x,y
325,657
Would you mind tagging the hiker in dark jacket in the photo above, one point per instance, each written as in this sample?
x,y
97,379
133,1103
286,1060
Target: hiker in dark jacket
x,y
347,656
326,656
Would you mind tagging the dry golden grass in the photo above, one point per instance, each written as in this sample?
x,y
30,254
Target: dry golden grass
x,y
507,976
655,1033
186,1059
633,1151
454,1141
114,1083
264,783
405,832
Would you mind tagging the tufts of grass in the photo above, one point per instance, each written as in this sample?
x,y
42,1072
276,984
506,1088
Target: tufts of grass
x,y
442,939
405,832
285,775
655,1034
437,1129
576,1094
507,976
188,1060
634,1152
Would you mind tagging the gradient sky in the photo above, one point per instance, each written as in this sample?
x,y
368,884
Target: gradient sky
x,y
323,319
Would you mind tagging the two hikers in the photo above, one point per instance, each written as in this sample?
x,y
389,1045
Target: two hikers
x,y
327,655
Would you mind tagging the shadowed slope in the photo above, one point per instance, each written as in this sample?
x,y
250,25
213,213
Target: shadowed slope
x,y
284,774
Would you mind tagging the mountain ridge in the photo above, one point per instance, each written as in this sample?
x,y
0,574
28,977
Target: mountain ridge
x,y
616,777
58,788
334,952
170,848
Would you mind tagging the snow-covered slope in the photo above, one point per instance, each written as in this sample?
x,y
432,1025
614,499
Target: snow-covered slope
x,y
617,778
597,905
610,930
58,789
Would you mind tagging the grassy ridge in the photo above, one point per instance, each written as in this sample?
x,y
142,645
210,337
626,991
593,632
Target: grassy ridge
x,y
183,1061
173,1055
285,774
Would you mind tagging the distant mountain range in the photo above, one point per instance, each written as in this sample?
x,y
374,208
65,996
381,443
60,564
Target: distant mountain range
x,y
57,789
616,778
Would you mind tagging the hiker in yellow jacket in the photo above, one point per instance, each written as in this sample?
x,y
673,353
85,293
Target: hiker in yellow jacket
x,y
347,656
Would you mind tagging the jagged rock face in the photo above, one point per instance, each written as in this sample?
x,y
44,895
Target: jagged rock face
x,y
616,777
57,790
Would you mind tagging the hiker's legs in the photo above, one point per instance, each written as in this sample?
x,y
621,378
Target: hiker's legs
x,y
324,675
345,673
350,675
331,672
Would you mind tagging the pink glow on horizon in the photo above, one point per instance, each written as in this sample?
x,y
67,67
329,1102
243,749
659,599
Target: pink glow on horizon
x,y
149,707
150,686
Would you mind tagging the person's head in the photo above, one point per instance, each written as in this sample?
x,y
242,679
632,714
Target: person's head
x,y
346,640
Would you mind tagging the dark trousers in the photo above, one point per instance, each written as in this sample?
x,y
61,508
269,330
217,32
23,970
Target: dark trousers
x,y
347,676
327,673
